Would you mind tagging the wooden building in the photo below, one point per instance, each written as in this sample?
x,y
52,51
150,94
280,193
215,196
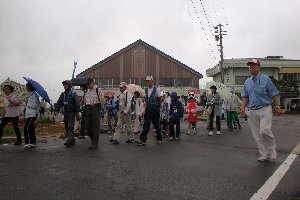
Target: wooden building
x,y
134,62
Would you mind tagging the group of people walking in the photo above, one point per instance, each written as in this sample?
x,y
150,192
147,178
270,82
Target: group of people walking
x,y
163,110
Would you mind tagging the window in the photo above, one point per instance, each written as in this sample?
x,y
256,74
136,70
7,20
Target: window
x,y
240,80
289,76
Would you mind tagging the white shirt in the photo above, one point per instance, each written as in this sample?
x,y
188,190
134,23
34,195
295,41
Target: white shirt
x,y
151,89
10,109
33,105
138,107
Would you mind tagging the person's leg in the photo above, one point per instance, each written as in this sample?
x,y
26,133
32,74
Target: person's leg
x,y
88,123
31,130
3,123
218,123
15,121
128,126
211,122
189,128
146,127
171,127
236,118
229,120
95,125
194,124
119,128
109,118
265,130
254,123
71,123
136,124
155,118
177,121
82,124
26,130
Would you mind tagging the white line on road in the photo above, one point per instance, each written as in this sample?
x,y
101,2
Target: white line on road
x,y
266,190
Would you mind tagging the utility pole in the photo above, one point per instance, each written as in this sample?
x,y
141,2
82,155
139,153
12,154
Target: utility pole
x,y
219,37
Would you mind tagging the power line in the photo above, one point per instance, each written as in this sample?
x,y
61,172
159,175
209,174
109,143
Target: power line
x,y
202,27
207,17
196,27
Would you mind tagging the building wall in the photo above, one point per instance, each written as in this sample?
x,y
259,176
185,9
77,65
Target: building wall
x,y
135,64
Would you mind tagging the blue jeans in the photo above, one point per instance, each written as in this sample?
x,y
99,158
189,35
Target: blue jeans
x,y
153,116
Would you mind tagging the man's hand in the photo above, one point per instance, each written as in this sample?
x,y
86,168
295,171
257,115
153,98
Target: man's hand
x,y
77,116
242,110
278,111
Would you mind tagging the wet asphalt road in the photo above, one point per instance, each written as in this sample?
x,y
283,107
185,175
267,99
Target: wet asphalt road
x,y
196,167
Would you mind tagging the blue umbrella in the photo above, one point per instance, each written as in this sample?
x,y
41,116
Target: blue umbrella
x,y
39,89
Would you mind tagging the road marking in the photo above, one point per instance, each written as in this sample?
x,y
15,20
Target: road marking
x,y
266,190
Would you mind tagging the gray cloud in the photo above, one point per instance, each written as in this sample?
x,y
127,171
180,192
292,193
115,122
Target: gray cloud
x,y
42,38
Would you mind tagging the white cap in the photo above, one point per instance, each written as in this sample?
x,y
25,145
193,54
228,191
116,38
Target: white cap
x,y
122,84
149,78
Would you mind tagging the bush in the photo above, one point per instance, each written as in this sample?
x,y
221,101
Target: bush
x,y
44,120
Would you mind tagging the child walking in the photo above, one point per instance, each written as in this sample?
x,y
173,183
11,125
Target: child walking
x,y
192,109
176,113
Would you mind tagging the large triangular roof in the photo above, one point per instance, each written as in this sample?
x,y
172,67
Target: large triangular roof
x,y
148,46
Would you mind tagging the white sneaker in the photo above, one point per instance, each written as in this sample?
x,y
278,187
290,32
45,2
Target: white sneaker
x,y
195,131
263,159
273,155
189,132
210,133
27,146
218,132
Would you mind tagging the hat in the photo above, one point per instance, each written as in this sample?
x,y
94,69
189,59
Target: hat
x,y
253,61
90,80
149,78
213,87
122,84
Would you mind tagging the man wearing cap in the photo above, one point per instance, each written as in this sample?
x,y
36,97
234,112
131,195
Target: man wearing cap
x,y
214,100
124,116
93,100
258,94
152,112
69,101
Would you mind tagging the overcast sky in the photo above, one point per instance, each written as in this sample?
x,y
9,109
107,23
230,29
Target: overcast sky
x,y
41,39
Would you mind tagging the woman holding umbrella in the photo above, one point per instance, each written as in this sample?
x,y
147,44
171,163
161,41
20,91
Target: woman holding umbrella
x,y
32,110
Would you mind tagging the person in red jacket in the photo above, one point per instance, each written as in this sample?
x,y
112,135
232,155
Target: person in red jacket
x,y
192,109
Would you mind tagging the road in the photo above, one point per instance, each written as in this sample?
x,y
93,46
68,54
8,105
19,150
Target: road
x,y
198,167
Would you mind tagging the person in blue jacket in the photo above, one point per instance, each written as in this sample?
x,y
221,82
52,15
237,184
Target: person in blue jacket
x,y
69,101
176,113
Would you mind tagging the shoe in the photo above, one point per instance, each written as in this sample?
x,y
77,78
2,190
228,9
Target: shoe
x,y
273,155
195,131
17,143
159,142
177,138
246,121
171,138
93,147
130,141
105,124
263,159
69,143
210,133
235,127
189,133
218,132
140,143
81,137
114,141
27,146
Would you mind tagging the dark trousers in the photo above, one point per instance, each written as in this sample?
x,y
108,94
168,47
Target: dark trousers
x,y
153,116
15,121
93,123
69,121
211,121
82,123
174,122
29,131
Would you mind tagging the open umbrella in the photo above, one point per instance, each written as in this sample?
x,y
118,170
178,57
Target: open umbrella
x,y
132,88
39,89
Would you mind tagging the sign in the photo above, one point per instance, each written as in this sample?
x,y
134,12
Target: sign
x,y
194,91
